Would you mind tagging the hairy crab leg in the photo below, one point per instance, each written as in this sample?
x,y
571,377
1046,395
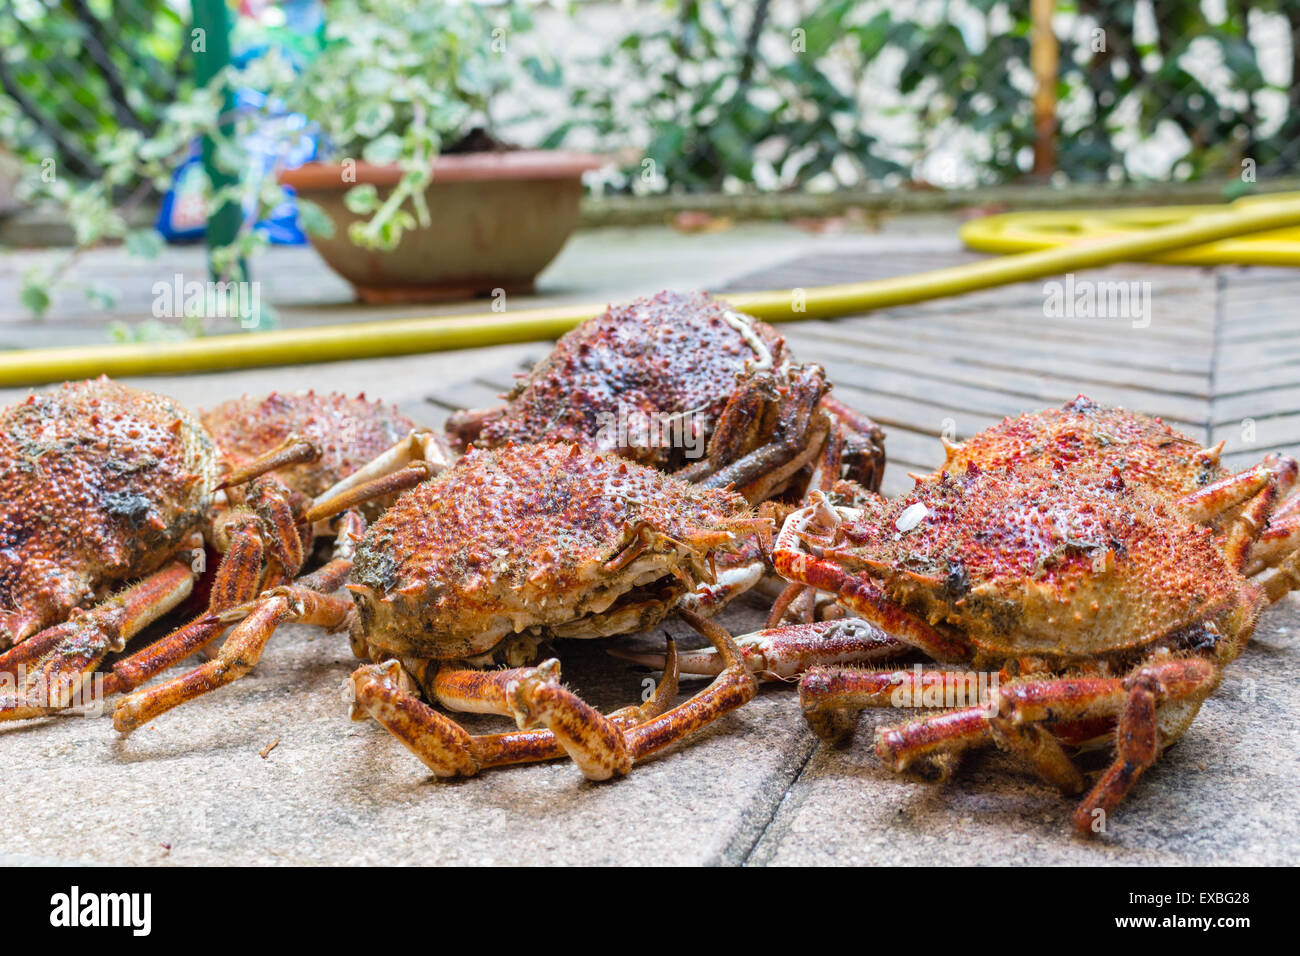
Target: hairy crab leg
x,y
832,697
473,691
1019,718
863,454
292,451
237,656
799,432
785,653
67,653
732,688
388,693
1138,739
601,746
869,602
420,447
1259,490
244,647
235,584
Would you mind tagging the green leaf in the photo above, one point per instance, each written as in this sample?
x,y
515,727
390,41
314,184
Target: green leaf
x,y
373,119
35,294
144,243
362,199
384,150
314,219
101,297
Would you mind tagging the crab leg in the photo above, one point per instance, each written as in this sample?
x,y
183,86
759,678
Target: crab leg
x,y
601,746
1138,737
863,441
1260,488
420,447
1021,720
792,592
243,648
292,451
53,666
831,698
1279,541
784,653
734,686
386,692
872,604
238,655
799,433
235,584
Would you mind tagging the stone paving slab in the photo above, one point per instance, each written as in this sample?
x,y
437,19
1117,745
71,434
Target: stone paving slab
x,y
191,788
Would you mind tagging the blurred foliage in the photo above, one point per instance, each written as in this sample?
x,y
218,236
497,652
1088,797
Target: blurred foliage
x,y
722,83
390,82
707,95
1219,121
72,71
962,75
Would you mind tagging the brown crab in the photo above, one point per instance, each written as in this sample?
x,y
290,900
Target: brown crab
x,y
689,386
1100,603
103,483
483,566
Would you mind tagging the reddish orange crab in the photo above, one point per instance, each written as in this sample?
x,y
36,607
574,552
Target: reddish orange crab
x,y
691,387
127,484
482,566
349,432
1253,511
1093,557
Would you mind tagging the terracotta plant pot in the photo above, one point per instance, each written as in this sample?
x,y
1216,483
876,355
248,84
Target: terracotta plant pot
x,y
499,218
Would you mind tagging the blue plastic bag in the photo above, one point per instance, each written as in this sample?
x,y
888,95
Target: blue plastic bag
x,y
286,138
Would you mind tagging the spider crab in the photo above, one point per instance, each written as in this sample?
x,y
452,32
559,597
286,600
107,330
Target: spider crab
x,y
481,567
104,484
1095,559
1254,512
691,387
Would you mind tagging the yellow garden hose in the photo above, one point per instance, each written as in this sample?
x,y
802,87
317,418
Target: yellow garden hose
x,y
437,333
1017,232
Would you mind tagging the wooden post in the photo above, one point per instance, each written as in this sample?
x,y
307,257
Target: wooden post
x,y
1044,58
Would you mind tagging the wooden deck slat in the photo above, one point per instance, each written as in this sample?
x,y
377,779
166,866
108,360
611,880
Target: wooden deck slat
x,y
1177,356
1002,354
994,392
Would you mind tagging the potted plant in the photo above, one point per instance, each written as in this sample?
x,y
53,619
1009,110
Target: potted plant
x,y
413,195
424,200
